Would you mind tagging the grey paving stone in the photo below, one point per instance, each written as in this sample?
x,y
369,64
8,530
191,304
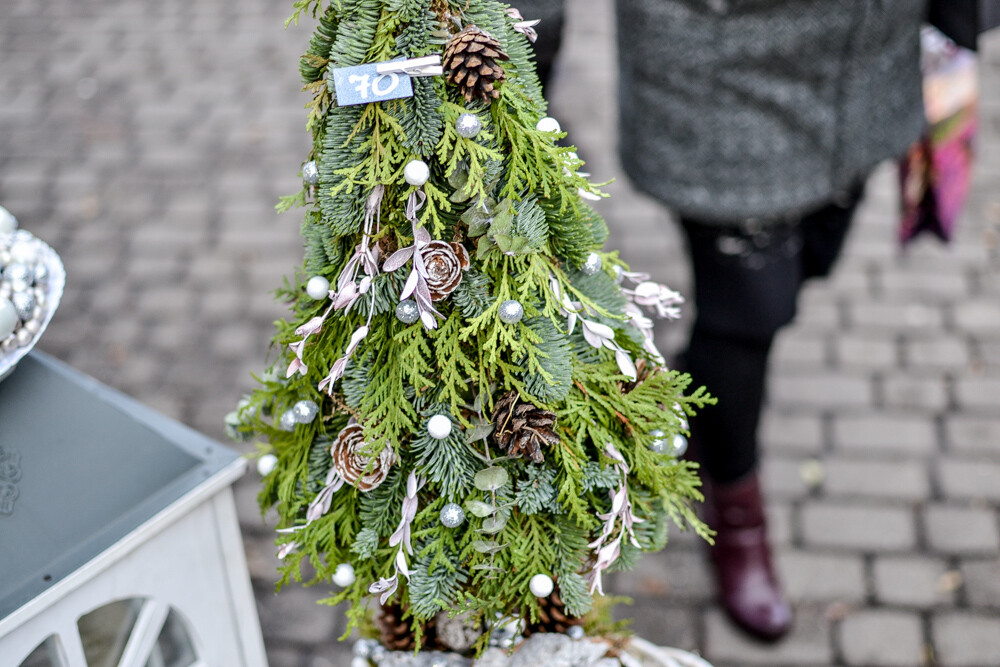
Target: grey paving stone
x,y
661,624
783,478
880,434
981,580
961,530
838,525
925,393
965,639
969,479
978,316
895,316
912,581
971,434
826,390
978,393
674,574
866,351
941,352
881,637
818,577
902,480
807,644
795,433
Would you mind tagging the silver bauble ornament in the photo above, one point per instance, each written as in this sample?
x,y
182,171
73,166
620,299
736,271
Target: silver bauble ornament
x,y
576,632
416,172
407,311
548,124
377,654
458,633
511,311
541,585
619,273
363,647
287,421
468,125
310,173
25,252
344,575
452,515
266,464
8,318
592,265
41,273
360,662
439,427
305,411
680,445
19,275
24,304
318,288
8,223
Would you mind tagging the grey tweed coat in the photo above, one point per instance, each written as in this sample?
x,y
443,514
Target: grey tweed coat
x,y
764,108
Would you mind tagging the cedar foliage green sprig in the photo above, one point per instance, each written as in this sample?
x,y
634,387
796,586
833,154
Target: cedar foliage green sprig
x,y
510,196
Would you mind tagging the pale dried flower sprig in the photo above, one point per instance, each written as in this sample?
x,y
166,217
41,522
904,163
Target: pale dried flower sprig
x,y
416,282
621,509
384,588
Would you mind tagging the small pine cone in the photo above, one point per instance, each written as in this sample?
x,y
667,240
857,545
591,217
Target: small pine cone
x,y
552,617
470,57
352,464
396,634
445,263
521,429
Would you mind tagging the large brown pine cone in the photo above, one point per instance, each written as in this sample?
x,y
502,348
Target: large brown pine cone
x,y
351,463
521,429
552,617
470,57
445,263
395,633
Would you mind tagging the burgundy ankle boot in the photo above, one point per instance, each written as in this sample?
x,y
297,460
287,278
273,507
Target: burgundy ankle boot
x,y
741,557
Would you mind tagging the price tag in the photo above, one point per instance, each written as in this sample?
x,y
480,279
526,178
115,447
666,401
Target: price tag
x,y
364,84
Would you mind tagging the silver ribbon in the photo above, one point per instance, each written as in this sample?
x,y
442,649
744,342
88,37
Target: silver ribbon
x,y
425,66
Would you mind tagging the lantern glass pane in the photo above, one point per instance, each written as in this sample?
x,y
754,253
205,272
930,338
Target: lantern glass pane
x,y
173,647
45,655
105,631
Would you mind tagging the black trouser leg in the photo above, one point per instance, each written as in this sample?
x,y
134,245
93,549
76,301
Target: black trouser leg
x,y
747,280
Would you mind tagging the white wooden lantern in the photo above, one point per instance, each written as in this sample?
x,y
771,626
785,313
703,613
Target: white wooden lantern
x,y
119,540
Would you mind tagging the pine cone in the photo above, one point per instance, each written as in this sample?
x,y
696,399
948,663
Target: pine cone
x,y
643,370
552,617
471,59
351,463
444,263
396,634
521,429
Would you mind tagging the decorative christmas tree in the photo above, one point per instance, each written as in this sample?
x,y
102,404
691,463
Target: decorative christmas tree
x,y
468,414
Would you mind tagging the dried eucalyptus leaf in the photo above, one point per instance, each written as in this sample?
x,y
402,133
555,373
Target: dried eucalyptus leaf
x,y
493,524
491,479
484,547
479,508
478,432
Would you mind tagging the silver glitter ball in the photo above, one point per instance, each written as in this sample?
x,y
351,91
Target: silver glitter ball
x,y
576,632
41,273
680,445
452,515
310,173
19,275
287,421
468,125
592,265
363,647
377,653
305,411
511,311
24,304
407,311
8,223
660,444
619,273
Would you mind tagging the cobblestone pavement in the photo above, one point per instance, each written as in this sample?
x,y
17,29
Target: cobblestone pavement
x,y
148,143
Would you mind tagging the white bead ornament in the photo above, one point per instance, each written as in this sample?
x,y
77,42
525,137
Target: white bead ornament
x,y
360,662
318,288
344,576
416,172
8,318
439,427
541,585
266,464
548,124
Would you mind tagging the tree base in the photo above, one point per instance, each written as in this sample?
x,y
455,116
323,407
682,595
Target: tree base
x,y
555,650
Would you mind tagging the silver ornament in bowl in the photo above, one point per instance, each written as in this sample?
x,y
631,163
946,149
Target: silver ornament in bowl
x,y
24,304
305,411
310,173
511,311
468,125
